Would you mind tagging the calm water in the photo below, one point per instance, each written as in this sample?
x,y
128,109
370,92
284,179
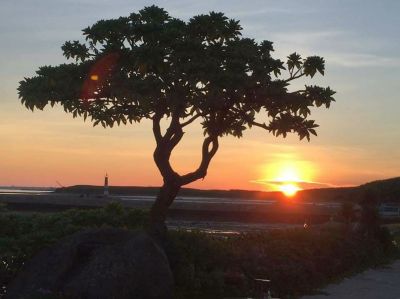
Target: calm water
x,y
12,190
200,199
179,199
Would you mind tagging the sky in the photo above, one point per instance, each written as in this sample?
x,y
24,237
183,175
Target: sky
x,y
358,139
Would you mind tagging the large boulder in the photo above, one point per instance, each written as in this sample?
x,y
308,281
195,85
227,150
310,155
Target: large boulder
x,y
100,263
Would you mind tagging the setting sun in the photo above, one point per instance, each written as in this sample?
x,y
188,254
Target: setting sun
x,y
289,189
288,173
287,176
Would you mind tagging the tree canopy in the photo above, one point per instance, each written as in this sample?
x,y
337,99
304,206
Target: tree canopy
x,y
150,65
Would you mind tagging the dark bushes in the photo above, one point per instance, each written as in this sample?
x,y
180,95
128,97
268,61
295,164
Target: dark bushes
x,y
212,266
22,235
297,261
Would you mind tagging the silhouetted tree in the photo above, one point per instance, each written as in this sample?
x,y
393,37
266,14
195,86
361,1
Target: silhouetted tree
x,y
369,212
152,66
347,212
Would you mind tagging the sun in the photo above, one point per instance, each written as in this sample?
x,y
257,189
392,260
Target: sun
x,y
287,176
289,189
288,179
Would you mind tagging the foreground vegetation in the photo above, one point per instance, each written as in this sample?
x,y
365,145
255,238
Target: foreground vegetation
x,y
212,266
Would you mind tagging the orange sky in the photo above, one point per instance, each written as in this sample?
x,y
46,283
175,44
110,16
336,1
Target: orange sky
x,y
48,146
359,137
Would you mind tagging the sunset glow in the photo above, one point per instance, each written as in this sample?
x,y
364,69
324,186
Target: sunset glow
x,y
289,189
289,175
41,147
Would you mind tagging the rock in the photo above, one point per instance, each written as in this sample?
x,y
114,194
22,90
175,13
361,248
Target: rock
x,y
99,263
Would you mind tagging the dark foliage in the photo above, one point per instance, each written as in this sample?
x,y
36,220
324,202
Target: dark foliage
x,y
23,235
347,212
152,66
296,261
210,266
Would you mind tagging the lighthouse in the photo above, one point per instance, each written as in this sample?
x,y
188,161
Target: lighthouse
x,y
106,192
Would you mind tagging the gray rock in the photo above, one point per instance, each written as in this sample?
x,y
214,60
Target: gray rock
x,y
100,263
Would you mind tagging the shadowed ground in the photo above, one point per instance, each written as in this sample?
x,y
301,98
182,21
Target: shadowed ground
x,y
382,283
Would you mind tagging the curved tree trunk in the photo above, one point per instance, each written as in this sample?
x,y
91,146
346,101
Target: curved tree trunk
x,y
172,180
158,213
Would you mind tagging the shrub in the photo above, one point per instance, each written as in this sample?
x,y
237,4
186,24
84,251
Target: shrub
x,y
296,261
212,266
23,235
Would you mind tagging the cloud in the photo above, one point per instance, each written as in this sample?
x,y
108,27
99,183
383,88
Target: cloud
x,y
301,184
246,12
305,38
346,51
362,60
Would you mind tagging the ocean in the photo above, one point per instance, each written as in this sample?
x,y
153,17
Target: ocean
x,y
25,190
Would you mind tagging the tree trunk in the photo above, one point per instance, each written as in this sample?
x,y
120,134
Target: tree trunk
x,y
158,212
172,180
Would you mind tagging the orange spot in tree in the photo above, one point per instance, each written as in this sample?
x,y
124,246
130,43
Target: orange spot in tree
x,y
94,77
98,75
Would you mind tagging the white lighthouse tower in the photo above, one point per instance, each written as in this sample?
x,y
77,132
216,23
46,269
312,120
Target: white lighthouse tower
x,y
106,191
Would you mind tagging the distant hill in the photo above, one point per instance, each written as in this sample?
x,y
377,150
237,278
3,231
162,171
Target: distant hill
x,y
388,189
383,190
187,192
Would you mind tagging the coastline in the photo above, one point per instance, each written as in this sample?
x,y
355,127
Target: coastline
x,y
183,209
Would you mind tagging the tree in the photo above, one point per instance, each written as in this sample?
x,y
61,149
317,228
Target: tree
x,y
347,212
152,66
369,211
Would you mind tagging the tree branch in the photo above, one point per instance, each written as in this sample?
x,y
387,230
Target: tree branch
x,y
157,128
165,144
251,122
206,155
192,119
260,125
173,131
294,77
175,138
173,127
298,70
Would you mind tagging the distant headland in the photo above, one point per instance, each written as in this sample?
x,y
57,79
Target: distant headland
x,y
383,190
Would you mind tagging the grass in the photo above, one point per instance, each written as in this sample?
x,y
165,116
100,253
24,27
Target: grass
x,y
297,261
